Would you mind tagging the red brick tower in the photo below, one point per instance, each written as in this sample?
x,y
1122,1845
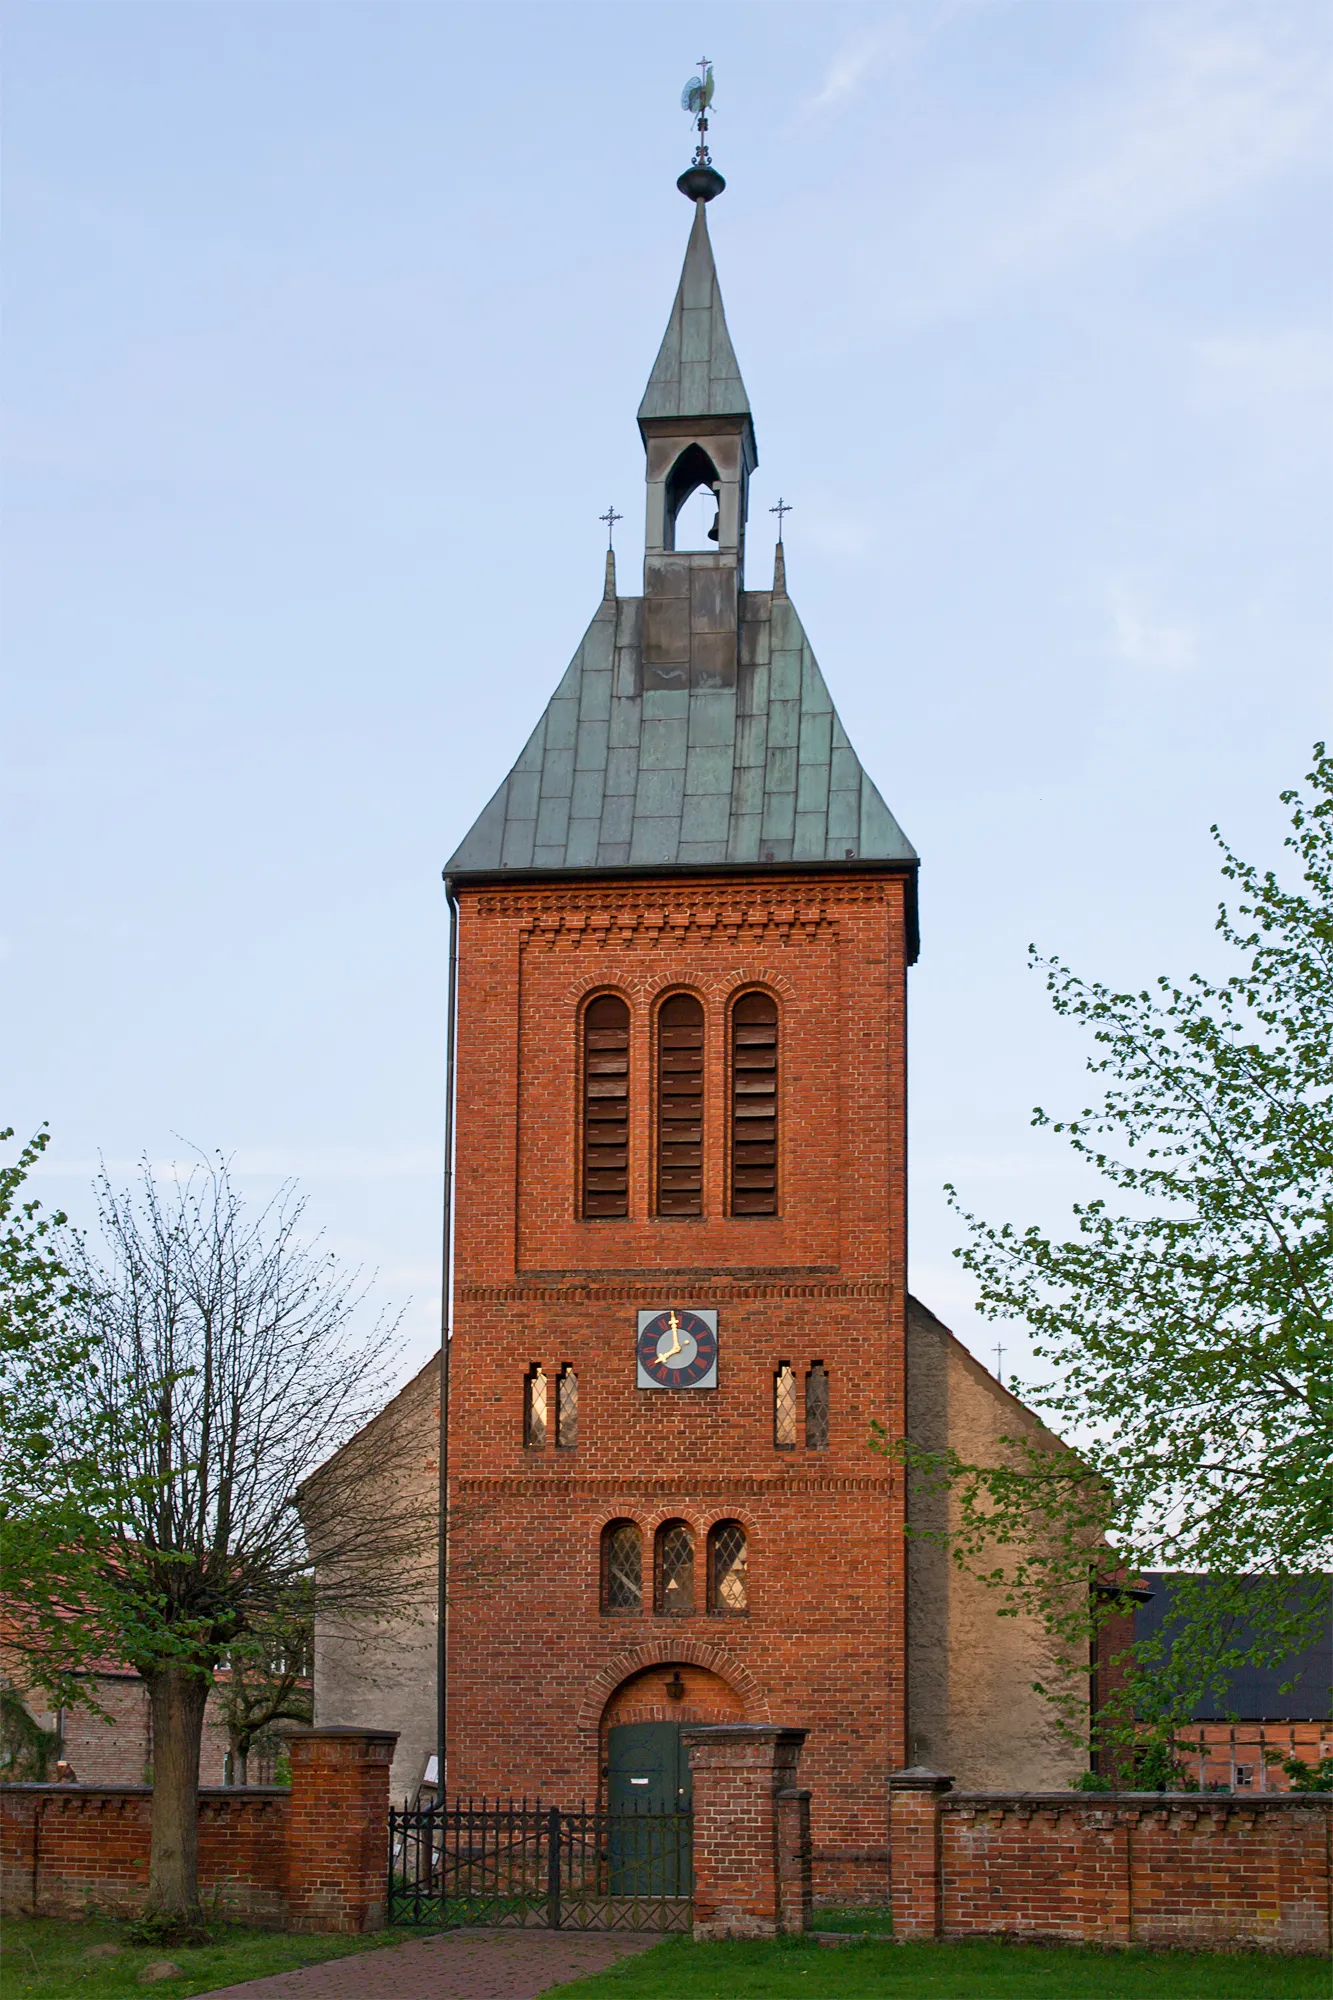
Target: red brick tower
x,y
685,922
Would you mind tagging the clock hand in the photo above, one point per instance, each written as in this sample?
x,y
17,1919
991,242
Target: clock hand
x,y
674,1330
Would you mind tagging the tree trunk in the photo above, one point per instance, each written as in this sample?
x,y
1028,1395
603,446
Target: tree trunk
x,y
243,1766
177,1700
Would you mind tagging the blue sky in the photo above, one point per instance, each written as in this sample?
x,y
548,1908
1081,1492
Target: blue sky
x,y
326,328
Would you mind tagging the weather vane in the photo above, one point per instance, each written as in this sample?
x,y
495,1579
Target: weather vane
x,y
701,179
781,509
696,98
610,517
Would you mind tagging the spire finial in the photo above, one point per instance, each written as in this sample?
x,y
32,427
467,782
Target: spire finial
x,y
610,517
779,554
701,179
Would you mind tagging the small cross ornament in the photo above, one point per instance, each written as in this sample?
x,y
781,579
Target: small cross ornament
x,y
610,517
781,509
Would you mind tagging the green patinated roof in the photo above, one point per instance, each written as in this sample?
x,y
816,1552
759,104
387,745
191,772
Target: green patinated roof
x,y
617,777
696,373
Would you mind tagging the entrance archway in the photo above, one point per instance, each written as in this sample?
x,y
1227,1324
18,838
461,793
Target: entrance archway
x,y
642,1761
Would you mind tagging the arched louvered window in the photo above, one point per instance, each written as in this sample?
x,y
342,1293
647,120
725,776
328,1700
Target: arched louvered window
x,y
606,1107
674,1569
754,1105
680,1106
622,1568
728,1595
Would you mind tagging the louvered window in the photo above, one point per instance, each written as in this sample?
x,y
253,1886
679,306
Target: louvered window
x,y
622,1567
567,1409
675,1569
816,1408
680,1106
754,1105
784,1408
534,1408
727,1592
606,1107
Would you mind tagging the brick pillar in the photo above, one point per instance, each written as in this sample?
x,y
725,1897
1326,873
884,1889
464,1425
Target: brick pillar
x,y
914,1851
746,1812
796,1888
338,1828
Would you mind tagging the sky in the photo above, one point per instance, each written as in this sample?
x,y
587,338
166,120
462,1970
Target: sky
x,y
326,327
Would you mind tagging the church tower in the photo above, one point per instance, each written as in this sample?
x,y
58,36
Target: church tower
x,y
685,921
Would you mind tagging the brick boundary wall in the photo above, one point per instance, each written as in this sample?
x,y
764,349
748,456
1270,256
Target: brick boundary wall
x,y
82,1850
312,1858
1197,1870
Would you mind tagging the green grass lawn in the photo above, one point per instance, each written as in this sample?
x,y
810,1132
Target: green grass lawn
x,y
42,1959
678,1969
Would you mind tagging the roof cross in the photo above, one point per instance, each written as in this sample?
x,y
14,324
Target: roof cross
x,y
610,517
781,509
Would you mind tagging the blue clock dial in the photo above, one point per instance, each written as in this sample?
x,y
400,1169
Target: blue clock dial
x,y
677,1349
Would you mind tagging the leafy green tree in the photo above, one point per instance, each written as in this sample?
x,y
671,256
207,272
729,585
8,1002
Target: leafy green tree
x,y
47,1354
229,1363
1187,1323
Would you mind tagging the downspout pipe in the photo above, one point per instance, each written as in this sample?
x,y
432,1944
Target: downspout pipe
x,y
446,1331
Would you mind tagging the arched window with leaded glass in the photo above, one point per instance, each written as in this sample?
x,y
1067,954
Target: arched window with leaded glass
x,y
728,1587
673,1570
622,1568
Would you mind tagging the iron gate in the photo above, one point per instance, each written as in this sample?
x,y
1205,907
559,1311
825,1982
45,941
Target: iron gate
x,y
481,1862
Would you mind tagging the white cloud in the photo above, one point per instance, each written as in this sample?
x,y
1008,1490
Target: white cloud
x,y
897,35
1142,637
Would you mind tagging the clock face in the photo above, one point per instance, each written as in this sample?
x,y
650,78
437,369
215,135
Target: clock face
x,y
677,1349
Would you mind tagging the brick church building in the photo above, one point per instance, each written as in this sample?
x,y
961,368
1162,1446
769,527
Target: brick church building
x,y
685,924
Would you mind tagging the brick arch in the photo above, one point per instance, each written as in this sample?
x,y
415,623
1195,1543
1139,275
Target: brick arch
x,y
658,1652
741,976
639,987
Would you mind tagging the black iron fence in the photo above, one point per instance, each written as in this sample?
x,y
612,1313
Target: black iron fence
x,y
481,1862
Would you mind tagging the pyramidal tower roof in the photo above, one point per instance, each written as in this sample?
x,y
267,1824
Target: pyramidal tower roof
x,y
693,729
696,373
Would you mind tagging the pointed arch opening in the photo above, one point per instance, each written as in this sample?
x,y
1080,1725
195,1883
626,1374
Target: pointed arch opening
x,y
697,528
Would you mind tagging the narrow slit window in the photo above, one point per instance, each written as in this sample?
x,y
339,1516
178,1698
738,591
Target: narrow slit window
x,y
816,1408
567,1409
784,1407
680,1106
675,1569
534,1408
622,1567
606,1107
727,1584
754,1105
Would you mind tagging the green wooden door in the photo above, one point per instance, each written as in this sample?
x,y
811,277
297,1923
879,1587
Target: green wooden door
x,y
649,1776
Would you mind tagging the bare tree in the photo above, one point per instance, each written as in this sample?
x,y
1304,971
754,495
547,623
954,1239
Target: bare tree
x,y
229,1362
267,1682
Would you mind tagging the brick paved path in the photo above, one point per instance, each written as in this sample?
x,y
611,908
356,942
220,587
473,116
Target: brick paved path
x,y
456,1965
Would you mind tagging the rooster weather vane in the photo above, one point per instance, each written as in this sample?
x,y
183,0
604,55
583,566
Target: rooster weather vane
x,y
701,179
